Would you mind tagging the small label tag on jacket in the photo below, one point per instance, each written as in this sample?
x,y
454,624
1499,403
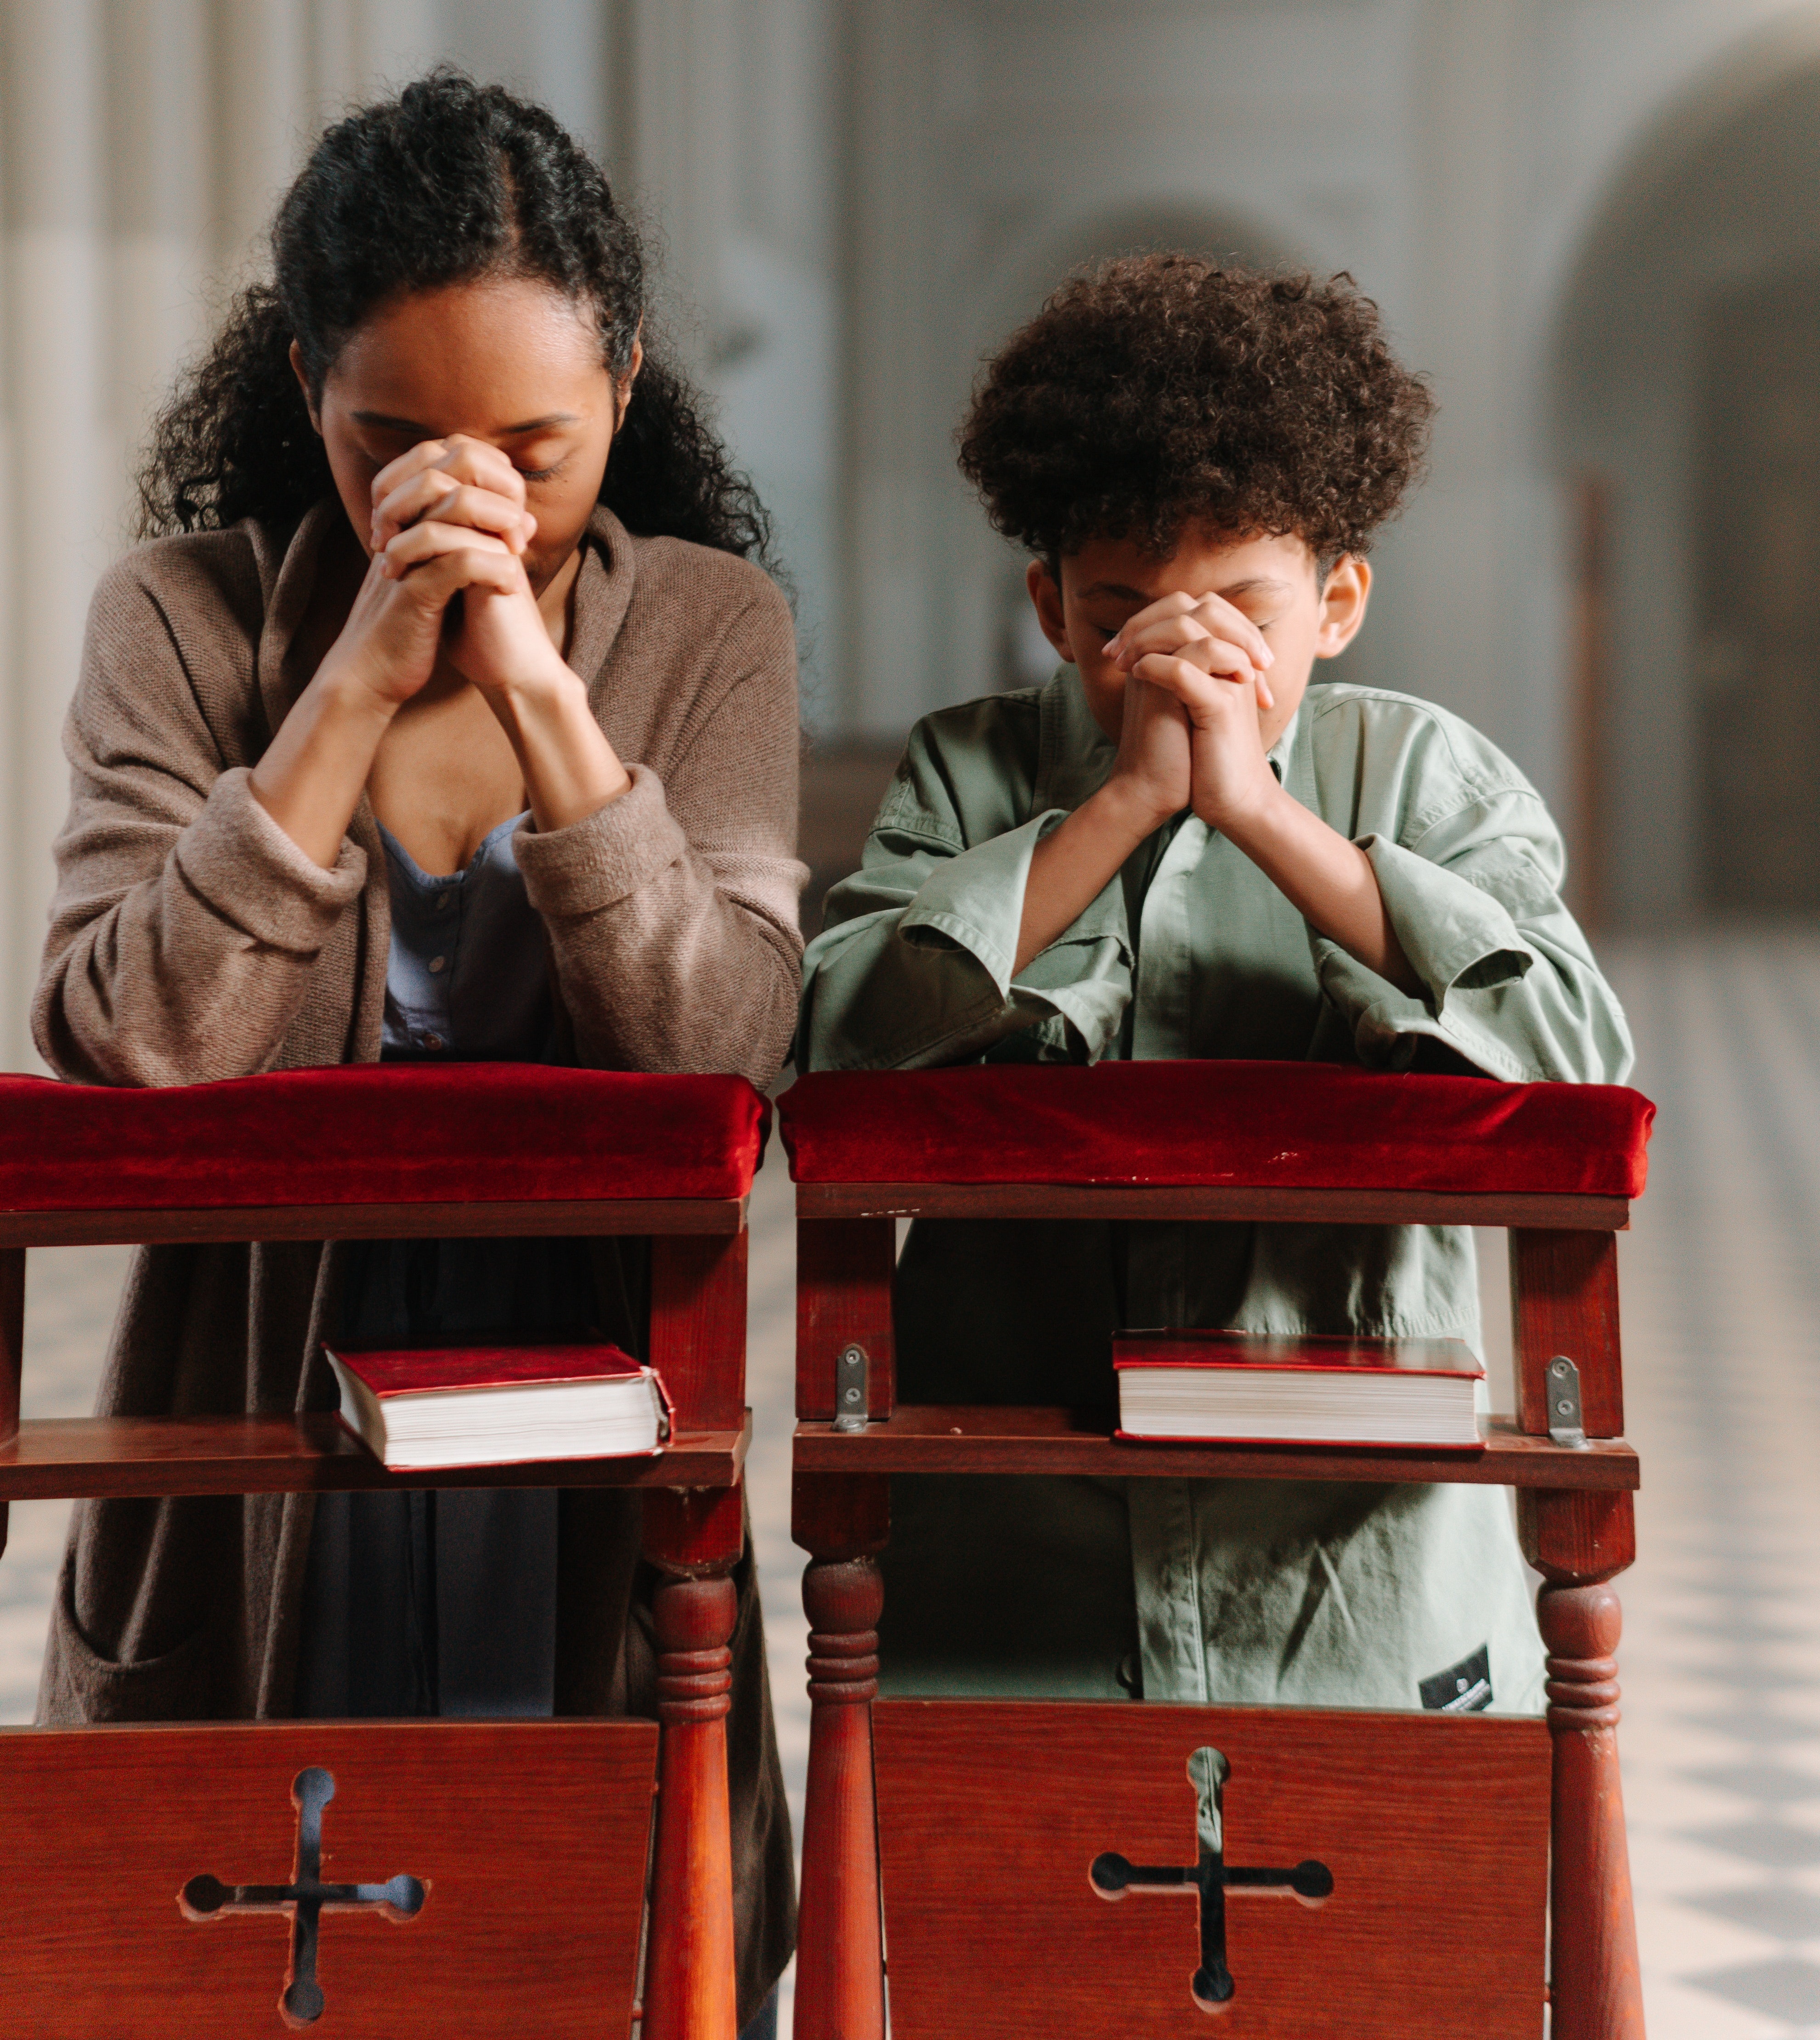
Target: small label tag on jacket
x,y
1464,1688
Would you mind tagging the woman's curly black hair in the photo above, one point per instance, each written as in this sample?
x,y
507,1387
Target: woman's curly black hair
x,y
1161,389
450,180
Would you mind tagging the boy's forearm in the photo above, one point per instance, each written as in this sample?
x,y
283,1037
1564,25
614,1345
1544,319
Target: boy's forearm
x,y
1075,861
1328,880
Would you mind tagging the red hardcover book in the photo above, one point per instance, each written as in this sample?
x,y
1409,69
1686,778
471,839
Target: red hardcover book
x,y
1250,1388
500,1406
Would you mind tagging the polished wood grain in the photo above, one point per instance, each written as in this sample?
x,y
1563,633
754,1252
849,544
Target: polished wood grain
x,y
1597,1990
12,1351
844,1270
75,1456
593,1216
839,1970
1435,1828
1577,1539
839,1515
531,1837
929,1438
1564,1299
1214,1201
694,1532
689,1983
698,1333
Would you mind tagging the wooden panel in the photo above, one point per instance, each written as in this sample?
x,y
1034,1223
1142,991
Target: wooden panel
x,y
71,1456
1434,1827
1564,1299
930,1437
836,1201
697,1341
844,1269
530,1838
594,1217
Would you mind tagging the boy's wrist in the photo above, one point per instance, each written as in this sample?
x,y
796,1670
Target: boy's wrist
x,y
1123,808
1257,823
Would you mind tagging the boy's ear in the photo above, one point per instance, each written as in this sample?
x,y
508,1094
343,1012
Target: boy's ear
x,y
1344,595
1046,597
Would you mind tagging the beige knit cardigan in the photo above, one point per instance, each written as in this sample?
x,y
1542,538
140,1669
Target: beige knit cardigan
x,y
191,939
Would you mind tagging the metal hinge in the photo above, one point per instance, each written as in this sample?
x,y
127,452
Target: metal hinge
x,y
1565,1426
851,1398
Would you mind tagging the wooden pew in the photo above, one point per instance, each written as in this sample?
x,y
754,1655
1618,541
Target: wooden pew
x,y
1454,1847
487,1877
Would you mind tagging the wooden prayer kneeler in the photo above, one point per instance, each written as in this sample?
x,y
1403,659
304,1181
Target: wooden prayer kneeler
x,y
217,1881
1100,1867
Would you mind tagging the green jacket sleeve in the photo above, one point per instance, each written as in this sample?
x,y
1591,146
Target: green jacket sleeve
x,y
914,965
1508,981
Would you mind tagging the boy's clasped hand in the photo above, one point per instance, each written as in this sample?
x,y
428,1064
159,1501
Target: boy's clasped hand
x,y
1196,691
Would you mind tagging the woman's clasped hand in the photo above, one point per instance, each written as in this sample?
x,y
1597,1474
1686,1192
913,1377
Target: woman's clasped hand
x,y
449,537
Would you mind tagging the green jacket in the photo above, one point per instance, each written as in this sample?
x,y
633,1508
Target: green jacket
x,y
1319,1592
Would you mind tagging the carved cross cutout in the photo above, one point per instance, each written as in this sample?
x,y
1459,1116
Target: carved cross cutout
x,y
1211,1878
305,1898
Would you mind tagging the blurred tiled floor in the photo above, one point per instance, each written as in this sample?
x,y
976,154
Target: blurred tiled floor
x,y
1721,1657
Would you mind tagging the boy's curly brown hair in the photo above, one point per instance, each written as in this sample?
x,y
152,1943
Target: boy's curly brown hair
x,y
1160,389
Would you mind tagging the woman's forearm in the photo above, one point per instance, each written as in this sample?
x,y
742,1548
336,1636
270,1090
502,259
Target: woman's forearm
x,y
314,770
571,771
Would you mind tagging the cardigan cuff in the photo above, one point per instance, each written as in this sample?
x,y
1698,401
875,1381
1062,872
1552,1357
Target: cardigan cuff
x,y
604,858
236,858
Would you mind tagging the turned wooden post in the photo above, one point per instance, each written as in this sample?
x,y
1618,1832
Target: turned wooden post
x,y
1598,1994
842,1520
1564,1299
696,1536
12,1351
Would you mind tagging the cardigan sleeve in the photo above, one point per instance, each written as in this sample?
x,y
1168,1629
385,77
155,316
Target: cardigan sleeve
x,y
671,910
186,924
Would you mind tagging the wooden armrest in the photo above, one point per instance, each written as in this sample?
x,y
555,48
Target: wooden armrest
x,y
73,1456
938,1438
593,1217
1566,1213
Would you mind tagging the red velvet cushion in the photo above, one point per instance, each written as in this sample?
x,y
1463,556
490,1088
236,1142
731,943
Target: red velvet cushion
x,y
1277,1125
426,1133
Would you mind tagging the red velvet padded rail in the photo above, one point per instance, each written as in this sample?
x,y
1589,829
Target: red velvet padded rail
x,y
498,1133
1274,1126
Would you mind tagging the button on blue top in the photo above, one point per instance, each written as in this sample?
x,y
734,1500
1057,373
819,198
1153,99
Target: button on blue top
x,y
468,974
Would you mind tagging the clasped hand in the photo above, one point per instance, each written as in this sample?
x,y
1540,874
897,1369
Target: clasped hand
x,y
1195,690
448,520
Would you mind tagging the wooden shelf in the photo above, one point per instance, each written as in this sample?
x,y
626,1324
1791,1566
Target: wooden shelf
x,y
1218,1202
934,1438
593,1216
75,1456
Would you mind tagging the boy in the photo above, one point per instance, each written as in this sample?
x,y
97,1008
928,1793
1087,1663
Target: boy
x,y
1174,849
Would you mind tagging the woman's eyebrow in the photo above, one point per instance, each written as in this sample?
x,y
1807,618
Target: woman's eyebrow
x,y
390,425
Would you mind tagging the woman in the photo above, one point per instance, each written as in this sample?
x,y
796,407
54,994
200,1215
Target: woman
x,y
447,718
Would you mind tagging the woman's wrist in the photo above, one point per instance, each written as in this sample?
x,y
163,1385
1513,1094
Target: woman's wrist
x,y
571,771
312,776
